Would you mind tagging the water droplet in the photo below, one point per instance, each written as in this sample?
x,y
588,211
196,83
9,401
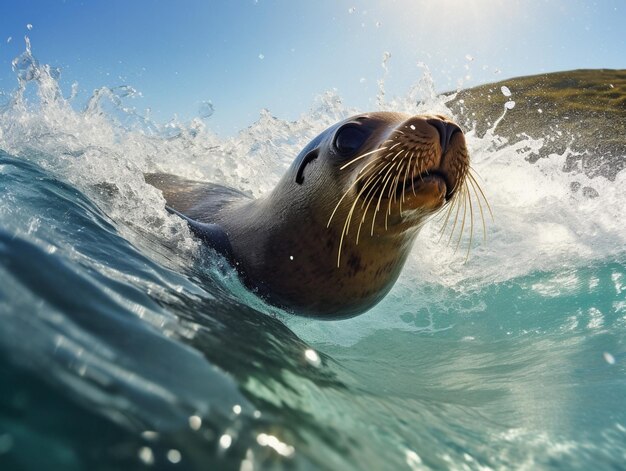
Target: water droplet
x,y
149,435
509,105
413,460
505,90
362,80
281,448
539,110
469,57
237,409
146,455
468,458
610,359
290,257
351,10
174,456
225,441
412,126
74,90
312,357
29,27
248,463
195,422
9,39
206,109
261,56
378,24
257,414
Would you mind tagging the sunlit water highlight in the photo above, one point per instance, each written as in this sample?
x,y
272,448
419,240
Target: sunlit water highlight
x,y
125,344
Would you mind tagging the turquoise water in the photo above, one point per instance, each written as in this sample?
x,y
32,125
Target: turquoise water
x,y
126,345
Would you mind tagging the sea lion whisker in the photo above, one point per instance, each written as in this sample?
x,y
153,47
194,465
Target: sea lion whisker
x,y
391,192
448,213
354,183
456,217
402,199
371,162
368,199
361,157
480,208
388,174
344,231
413,154
371,191
339,202
389,179
380,197
395,188
481,192
396,181
358,232
383,165
346,227
471,211
406,175
458,242
356,200
391,195
397,154
459,181
470,168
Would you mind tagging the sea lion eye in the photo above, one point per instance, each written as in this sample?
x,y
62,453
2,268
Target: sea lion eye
x,y
349,139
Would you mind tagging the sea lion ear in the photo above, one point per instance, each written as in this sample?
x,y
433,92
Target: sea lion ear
x,y
212,235
305,161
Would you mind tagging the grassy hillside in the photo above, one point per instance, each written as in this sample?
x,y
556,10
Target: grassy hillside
x,y
584,110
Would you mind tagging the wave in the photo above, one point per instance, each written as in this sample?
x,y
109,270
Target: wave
x,y
126,343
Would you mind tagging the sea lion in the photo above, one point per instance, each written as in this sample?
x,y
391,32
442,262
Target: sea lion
x,y
330,239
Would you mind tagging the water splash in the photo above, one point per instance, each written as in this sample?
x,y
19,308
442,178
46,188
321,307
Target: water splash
x,y
380,98
206,110
105,148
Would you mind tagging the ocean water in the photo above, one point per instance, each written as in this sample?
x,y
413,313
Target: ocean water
x,y
124,344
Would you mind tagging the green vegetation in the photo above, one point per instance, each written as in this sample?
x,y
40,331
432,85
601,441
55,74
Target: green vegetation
x,y
583,110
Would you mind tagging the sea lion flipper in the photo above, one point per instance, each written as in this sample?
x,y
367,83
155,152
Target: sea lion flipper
x,y
212,235
197,200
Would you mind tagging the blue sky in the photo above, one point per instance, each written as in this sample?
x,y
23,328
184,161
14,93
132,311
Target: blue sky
x,y
245,55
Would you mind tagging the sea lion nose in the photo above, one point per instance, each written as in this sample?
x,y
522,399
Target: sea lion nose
x,y
446,131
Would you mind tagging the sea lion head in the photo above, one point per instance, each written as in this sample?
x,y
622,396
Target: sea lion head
x,y
382,174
